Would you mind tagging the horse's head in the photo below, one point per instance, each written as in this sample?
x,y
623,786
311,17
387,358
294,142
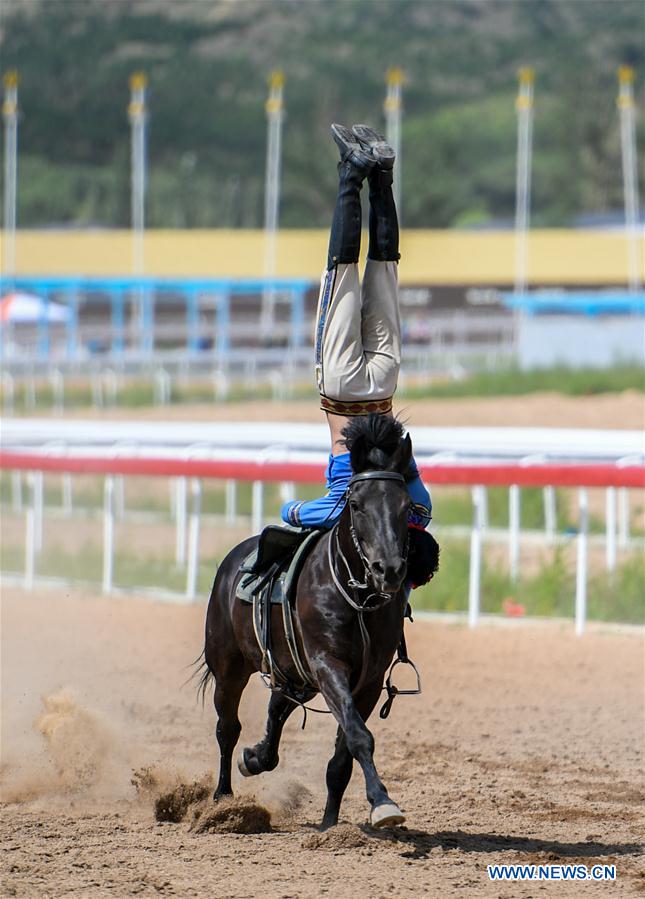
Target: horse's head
x,y
378,499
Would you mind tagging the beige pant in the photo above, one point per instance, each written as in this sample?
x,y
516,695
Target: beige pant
x,y
358,338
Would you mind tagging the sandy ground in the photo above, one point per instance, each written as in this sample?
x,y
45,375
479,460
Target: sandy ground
x,y
524,747
624,410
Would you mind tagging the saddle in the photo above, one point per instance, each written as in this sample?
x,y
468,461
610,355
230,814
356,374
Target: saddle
x,y
269,577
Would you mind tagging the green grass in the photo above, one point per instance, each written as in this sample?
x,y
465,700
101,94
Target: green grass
x,y
611,597
513,382
508,382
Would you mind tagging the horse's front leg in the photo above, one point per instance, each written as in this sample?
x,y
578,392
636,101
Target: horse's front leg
x,y
333,679
264,755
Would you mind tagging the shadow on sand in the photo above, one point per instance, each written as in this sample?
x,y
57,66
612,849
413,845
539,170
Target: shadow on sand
x,y
421,843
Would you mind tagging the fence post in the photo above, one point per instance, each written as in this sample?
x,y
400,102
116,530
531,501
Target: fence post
x,y
181,491
97,390
257,507
30,393
231,501
484,508
514,530
475,558
16,491
550,513
57,382
30,532
8,393
162,387
610,528
581,563
108,534
193,538
68,506
39,489
623,520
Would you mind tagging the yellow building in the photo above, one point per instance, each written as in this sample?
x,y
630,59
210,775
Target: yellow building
x,y
556,257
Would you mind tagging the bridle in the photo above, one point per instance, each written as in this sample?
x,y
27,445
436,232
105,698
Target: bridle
x,y
353,583
366,605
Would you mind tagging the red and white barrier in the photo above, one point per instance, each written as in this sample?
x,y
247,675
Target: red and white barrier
x,y
302,467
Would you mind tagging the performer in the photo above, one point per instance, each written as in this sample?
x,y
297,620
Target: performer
x,y
358,331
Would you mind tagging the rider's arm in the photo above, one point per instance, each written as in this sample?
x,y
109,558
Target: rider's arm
x,y
324,511
421,511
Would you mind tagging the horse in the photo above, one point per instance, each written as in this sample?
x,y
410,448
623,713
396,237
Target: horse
x,y
357,566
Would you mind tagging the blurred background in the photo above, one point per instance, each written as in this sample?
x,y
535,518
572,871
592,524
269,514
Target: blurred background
x,y
168,182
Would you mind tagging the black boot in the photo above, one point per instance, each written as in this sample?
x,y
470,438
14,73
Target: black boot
x,y
345,236
384,224
383,221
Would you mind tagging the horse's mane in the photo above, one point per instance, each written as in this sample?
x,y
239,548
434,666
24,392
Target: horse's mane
x,y
377,441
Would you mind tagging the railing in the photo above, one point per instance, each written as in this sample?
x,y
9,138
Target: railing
x,y
306,467
190,326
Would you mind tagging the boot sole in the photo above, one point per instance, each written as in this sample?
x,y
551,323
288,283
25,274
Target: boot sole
x,y
376,144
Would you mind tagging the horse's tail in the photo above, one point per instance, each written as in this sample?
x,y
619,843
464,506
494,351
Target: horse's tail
x,y
203,674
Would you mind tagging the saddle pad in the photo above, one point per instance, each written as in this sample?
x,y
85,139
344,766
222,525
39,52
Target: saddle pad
x,y
285,580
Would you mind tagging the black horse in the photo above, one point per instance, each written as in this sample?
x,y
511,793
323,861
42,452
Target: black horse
x,y
360,562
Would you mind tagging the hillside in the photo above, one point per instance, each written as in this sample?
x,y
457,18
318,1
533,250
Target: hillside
x,y
207,63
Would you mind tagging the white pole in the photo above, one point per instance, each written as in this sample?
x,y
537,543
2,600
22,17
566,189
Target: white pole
x,y
16,491
181,492
39,489
231,501
524,106
610,528
475,560
10,116
137,114
108,534
275,116
514,530
630,174
193,538
68,502
257,507
581,563
550,513
392,108
623,518
30,533
8,392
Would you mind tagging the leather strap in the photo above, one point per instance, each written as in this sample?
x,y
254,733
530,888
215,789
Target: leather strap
x,y
376,476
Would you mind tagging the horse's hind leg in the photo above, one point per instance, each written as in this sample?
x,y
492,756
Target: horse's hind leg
x,y
264,755
229,687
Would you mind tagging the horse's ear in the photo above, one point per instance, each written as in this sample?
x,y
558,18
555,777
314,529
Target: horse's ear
x,y
358,454
403,456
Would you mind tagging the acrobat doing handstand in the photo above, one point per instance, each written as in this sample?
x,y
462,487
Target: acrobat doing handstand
x,y
358,332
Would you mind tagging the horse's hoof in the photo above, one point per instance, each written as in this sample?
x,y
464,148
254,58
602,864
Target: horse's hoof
x,y
388,814
241,765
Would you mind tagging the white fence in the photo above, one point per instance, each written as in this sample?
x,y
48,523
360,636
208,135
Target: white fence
x,y
611,460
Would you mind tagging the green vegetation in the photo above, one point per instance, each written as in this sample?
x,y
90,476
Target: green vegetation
x,y
207,65
550,592
513,382
578,382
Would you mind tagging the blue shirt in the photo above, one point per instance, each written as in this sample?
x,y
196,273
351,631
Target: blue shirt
x,y
325,510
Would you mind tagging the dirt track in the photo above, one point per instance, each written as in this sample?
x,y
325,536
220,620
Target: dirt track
x,y
524,747
548,410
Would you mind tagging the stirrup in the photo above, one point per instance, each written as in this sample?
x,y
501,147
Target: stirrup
x,y
393,691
